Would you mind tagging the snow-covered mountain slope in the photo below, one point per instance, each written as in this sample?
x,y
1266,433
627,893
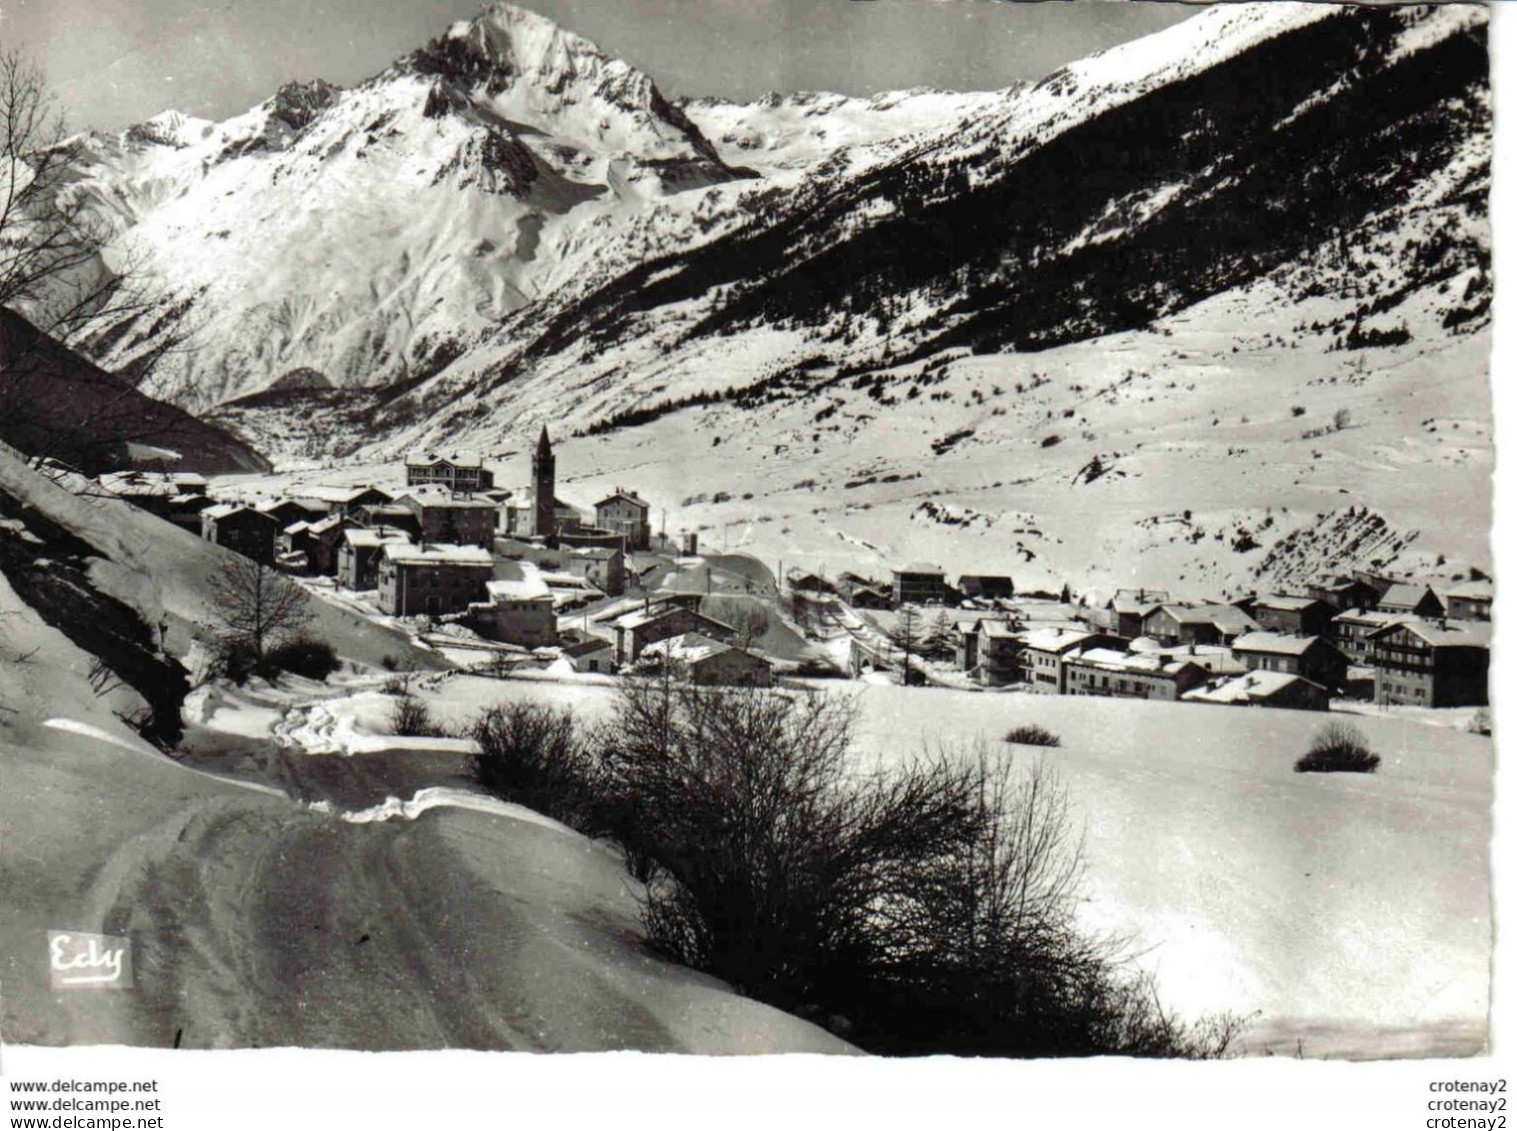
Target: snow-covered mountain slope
x,y
1264,208
797,131
372,234
56,404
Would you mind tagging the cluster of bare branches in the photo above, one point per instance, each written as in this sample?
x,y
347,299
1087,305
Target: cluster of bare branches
x,y
67,280
926,909
50,241
258,608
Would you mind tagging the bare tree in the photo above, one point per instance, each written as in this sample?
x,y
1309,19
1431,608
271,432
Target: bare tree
x,y
60,286
941,636
50,240
907,636
257,606
750,624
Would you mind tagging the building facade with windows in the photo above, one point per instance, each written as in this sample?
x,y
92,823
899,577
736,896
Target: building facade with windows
x,y
433,580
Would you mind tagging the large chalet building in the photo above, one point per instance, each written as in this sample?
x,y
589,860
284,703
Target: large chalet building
x,y
918,583
459,472
1424,664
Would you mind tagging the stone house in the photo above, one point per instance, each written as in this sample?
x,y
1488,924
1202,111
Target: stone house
x,y
432,580
606,569
518,608
588,653
317,543
625,513
452,519
636,631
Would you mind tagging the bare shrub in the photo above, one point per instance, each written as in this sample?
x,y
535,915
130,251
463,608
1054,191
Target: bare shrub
x,y
533,755
1031,734
931,909
1338,748
412,718
303,655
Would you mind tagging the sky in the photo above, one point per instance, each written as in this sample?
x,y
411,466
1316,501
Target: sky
x,y
115,62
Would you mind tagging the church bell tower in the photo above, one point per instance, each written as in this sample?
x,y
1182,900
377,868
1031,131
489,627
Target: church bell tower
x,y
542,487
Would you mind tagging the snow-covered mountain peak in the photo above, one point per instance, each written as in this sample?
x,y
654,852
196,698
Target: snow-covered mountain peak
x,y
518,41
523,69
172,128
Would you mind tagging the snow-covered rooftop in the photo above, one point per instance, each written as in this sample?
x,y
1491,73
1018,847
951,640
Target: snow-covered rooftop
x,y
1404,595
1274,643
1056,639
517,581
997,629
1250,688
1286,604
332,493
456,459
689,648
1110,659
1473,591
432,497
359,536
437,553
1369,617
1464,635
